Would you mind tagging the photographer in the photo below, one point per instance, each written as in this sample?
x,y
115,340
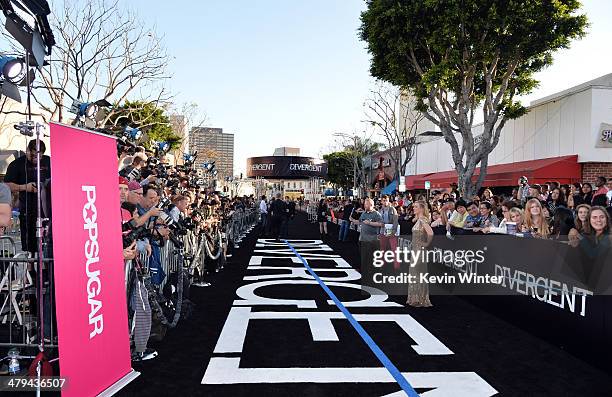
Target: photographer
x,y
135,195
180,205
21,178
132,171
138,295
523,190
146,208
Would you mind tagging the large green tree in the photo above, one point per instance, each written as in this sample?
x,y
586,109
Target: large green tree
x,y
340,168
359,147
148,117
466,56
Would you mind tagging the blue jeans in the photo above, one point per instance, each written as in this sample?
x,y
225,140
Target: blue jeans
x,y
344,230
156,269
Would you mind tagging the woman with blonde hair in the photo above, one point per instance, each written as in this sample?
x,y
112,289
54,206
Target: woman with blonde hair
x,y
534,220
422,234
516,216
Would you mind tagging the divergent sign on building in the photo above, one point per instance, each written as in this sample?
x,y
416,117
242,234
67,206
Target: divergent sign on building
x,y
285,167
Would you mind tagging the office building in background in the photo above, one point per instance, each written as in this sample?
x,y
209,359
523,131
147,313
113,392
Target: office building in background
x,y
212,144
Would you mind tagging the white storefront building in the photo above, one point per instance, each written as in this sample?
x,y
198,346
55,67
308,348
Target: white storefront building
x,y
566,136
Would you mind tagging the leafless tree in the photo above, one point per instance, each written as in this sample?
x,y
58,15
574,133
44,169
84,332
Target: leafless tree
x,y
194,116
103,51
390,112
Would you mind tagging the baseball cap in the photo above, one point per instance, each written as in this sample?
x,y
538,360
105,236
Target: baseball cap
x,y
133,185
123,180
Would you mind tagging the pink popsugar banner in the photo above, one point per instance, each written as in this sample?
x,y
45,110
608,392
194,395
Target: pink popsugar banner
x,y
90,294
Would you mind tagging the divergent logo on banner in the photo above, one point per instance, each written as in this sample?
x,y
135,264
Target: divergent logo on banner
x,y
92,249
286,167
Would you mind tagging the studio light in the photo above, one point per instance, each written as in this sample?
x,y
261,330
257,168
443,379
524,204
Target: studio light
x,y
13,69
36,38
132,133
13,72
189,158
88,109
162,147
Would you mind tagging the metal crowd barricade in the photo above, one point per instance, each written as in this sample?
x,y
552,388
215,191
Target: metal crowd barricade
x,y
241,223
18,321
311,211
17,289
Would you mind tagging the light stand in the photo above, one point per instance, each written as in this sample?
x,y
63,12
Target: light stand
x,y
29,128
37,41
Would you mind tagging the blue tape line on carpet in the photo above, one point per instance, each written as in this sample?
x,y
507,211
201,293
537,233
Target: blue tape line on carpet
x,y
382,357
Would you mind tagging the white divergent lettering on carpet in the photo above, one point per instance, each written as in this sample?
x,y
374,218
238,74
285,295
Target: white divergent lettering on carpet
x,y
274,256
92,251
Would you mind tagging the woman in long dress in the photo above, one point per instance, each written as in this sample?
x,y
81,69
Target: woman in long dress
x,y
422,234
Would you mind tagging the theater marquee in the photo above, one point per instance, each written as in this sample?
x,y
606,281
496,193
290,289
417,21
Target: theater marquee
x,y
286,167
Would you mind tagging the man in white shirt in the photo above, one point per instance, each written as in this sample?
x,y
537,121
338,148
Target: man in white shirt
x,y
263,210
609,194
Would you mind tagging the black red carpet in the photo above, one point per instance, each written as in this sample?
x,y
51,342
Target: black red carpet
x,y
239,342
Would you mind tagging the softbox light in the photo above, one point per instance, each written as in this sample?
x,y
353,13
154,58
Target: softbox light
x,y
30,39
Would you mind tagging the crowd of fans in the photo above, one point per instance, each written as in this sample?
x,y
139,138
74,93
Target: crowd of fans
x,y
577,215
550,211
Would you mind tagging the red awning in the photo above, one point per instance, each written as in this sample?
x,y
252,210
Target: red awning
x,y
416,181
564,169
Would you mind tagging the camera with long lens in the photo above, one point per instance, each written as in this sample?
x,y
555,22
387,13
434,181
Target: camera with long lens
x,y
130,173
125,146
164,203
187,223
135,233
161,171
152,162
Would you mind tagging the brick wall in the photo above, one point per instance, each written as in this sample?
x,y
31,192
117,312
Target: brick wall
x,y
590,171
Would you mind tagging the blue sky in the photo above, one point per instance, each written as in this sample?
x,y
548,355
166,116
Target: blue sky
x,y
290,73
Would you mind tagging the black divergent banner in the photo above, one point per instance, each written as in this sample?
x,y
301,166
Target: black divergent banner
x,y
285,167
